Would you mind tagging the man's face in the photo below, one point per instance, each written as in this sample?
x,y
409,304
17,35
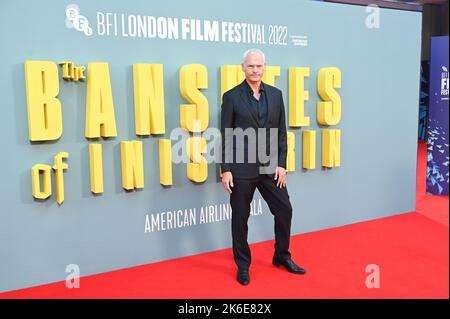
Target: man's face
x,y
253,67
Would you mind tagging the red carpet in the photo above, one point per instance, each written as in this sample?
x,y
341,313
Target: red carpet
x,y
411,250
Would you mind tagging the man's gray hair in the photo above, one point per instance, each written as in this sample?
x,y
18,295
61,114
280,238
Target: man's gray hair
x,y
253,51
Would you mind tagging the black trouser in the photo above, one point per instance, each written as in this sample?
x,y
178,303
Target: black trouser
x,y
278,201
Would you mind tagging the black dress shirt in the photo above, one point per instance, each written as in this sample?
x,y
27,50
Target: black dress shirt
x,y
260,105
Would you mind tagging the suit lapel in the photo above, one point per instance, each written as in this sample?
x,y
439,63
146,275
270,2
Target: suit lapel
x,y
271,104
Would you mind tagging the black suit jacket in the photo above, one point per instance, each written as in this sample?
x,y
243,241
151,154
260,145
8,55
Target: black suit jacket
x,y
238,113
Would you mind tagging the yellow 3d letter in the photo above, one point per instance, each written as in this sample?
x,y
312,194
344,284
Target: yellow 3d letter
x,y
165,162
230,76
44,109
100,118
309,149
96,167
35,181
331,148
149,99
132,165
59,167
192,78
329,111
270,74
198,170
297,97
290,163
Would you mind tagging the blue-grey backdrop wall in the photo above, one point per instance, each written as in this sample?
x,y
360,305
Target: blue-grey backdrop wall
x,y
380,90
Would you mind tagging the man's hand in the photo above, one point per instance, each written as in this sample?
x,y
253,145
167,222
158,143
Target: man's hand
x,y
227,181
280,174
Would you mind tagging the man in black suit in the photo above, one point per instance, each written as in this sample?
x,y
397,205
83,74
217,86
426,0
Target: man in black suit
x,y
252,122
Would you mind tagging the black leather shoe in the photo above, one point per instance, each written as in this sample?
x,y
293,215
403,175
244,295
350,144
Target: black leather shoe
x,y
243,276
289,265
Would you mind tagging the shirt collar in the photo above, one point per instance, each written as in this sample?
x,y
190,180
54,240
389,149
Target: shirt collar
x,y
250,90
